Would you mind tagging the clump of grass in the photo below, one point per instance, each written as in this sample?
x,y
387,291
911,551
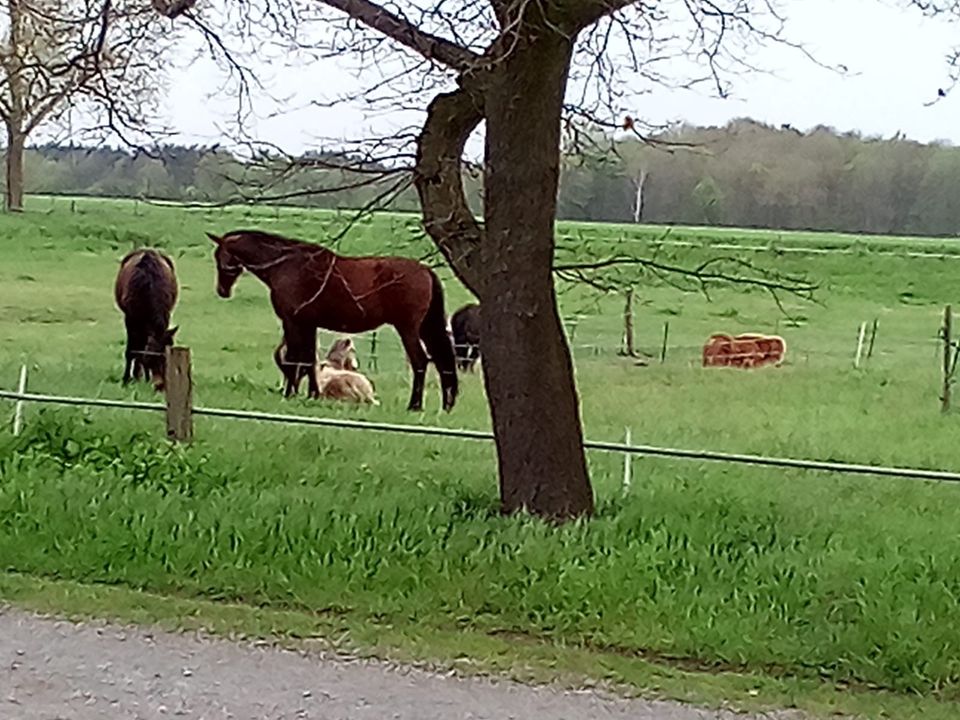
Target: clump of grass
x,y
849,581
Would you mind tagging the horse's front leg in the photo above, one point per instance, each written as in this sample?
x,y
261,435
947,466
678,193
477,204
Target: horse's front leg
x,y
302,356
313,389
127,366
134,340
289,384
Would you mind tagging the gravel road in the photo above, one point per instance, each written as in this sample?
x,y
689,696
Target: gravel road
x,y
52,669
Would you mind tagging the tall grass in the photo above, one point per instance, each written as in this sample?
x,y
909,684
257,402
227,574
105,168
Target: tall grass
x,y
853,579
786,573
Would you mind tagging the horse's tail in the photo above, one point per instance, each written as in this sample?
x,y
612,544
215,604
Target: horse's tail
x,y
433,332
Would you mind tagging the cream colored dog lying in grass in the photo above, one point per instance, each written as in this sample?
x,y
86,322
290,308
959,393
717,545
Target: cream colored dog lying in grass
x,y
346,385
337,378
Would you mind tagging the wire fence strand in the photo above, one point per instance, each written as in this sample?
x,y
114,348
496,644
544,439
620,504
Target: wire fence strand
x,y
466,434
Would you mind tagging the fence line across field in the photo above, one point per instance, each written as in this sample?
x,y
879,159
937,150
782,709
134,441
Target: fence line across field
x,y
625,448
864,249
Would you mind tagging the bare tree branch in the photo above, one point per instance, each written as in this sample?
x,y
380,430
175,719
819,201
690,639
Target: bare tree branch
x,y
431,47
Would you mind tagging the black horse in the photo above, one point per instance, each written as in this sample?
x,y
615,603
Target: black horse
x,y
465,326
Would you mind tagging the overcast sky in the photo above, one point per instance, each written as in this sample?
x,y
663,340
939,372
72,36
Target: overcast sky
x,y
896,58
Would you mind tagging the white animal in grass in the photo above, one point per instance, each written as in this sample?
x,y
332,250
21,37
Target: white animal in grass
x,y
337,378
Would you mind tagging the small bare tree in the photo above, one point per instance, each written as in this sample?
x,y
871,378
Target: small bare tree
x,y
639,181
94,59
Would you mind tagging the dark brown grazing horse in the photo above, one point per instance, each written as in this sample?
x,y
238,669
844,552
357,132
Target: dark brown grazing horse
x,y
146,291
465,326
312,287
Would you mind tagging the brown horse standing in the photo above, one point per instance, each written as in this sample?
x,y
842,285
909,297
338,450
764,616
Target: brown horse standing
x,y
312,287
146,291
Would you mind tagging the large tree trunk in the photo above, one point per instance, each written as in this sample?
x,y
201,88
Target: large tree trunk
x,y
526,361
16,141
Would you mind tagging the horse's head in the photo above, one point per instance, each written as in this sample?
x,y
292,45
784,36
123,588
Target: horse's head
x,y
155,355
229,267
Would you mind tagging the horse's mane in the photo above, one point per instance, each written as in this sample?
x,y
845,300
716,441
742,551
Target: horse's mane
x,y
271,239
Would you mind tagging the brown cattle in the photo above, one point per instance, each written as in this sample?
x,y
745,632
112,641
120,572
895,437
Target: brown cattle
x,y
748,350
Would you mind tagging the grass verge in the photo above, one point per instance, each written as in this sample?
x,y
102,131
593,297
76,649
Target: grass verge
x,y
722,572
851,581
463,651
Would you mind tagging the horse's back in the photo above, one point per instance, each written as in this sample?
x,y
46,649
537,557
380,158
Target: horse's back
x,y
146,283
465,323
377,290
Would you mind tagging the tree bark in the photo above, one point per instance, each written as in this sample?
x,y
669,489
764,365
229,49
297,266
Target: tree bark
x,y
16,141
438,177
526,361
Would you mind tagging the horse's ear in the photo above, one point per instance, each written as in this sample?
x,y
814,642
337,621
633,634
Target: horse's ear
x,y
216,238
168,336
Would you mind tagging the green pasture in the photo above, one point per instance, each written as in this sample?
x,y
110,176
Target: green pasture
x,y
848,580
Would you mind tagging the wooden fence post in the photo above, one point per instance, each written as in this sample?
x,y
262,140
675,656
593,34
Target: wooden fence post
x,y
947,334
373,351
628,346
179,393
873,337
666,335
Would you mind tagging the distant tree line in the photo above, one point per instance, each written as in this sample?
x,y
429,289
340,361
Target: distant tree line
x,y
210,175
747,174
744,174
